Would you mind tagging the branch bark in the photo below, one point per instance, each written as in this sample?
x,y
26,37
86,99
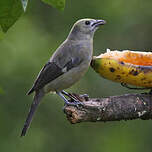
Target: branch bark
x,y
113,108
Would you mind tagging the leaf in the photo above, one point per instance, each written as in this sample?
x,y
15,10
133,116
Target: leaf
x,y
10,11
59,4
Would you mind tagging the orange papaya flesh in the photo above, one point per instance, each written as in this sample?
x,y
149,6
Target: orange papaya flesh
x,y
132,57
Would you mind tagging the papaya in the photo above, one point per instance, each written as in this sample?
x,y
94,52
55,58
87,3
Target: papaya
x,y
128,67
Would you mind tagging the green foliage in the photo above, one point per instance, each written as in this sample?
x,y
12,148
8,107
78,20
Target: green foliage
x,y
59,4
10,11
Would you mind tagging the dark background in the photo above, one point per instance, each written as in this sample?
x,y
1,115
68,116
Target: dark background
x,y
30,43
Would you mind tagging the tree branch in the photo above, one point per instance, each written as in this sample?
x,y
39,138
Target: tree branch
x,y
113,108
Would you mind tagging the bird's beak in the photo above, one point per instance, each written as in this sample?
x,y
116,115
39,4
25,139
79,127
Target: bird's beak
x,y
98,23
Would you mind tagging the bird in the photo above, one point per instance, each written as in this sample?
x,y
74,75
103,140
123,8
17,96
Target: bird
x,y
66,66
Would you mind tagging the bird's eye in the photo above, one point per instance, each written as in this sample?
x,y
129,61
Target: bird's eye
x,y
87,22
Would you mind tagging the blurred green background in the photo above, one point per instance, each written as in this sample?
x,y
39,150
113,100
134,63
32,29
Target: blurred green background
x,y
28,45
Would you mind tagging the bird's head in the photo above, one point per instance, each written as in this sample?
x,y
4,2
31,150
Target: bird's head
x,y
85,27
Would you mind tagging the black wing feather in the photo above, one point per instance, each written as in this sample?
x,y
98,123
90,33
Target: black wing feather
x,y
50,72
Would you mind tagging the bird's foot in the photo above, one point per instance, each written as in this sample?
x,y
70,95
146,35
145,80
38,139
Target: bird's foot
x,y
74,103
85,96
76,97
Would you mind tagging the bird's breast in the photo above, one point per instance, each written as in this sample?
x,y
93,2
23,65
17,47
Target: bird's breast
x,y
68,79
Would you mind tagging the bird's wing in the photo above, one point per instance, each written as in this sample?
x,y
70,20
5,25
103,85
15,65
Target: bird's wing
x,y
51,71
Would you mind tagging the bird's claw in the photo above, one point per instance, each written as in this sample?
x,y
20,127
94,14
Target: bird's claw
x,y
84,95
75,103
78,103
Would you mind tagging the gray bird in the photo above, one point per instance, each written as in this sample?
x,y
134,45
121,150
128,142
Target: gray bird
x,y
66,66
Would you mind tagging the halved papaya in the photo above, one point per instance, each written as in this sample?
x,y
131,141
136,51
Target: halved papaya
x,y
129,67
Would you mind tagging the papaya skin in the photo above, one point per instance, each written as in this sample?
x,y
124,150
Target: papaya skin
x,y
122,72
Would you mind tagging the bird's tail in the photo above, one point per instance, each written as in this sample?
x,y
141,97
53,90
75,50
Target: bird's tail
x,y
37,98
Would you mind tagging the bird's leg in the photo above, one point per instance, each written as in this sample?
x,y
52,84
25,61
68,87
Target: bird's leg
x,y
66,93
69,95
74,97
76,102
86,96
